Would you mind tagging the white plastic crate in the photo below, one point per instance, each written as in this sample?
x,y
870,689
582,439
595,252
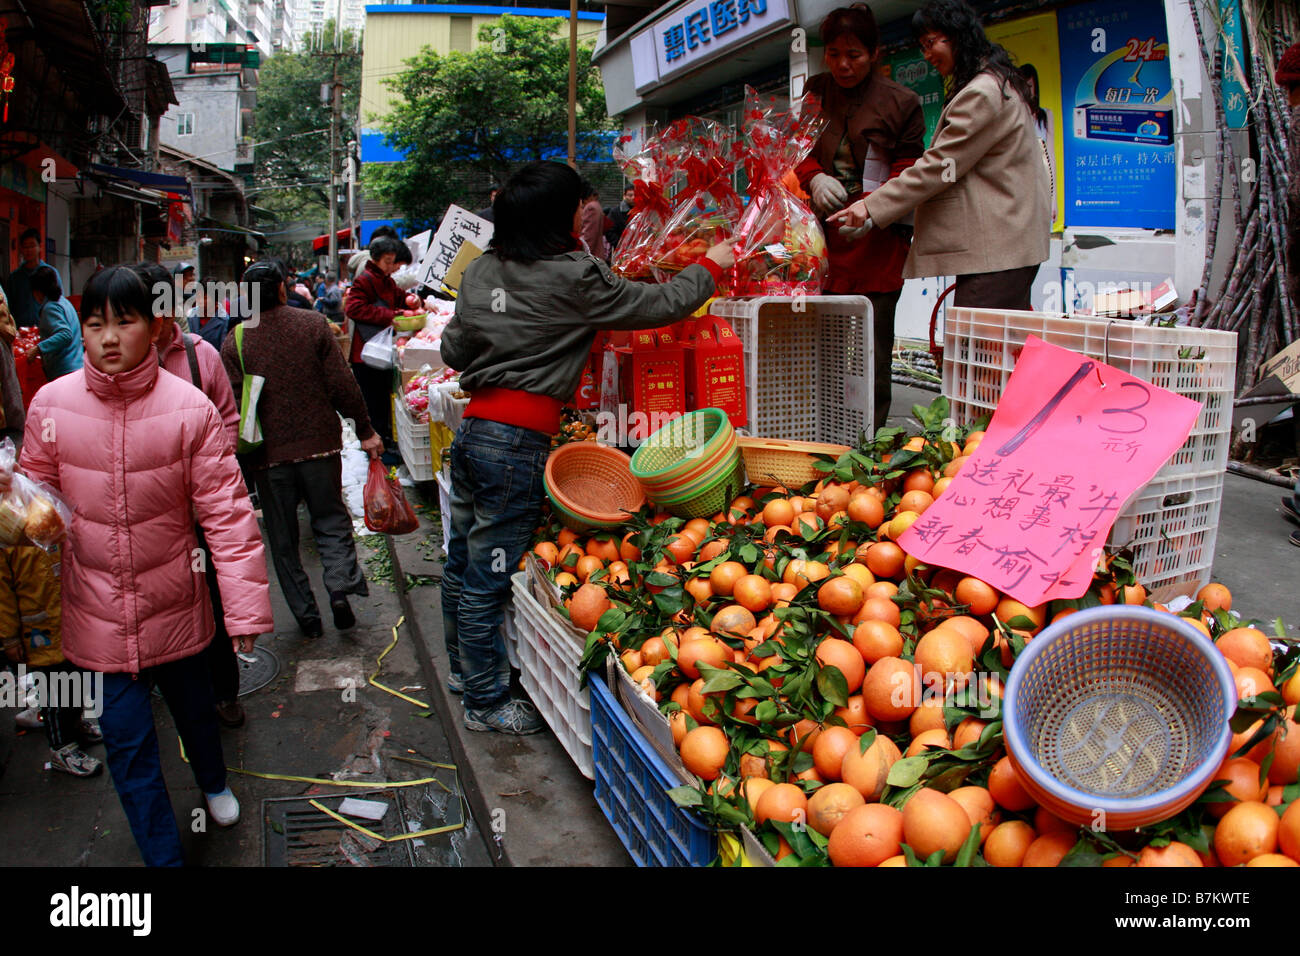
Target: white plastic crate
x,y
449,410
414,443
980,349
548,669
1171,526
809,374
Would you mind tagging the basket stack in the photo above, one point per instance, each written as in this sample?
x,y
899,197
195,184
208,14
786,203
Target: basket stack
x,y
692,467
591,486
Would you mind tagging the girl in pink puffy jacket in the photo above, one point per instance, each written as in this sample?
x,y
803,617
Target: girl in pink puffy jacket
x,y
140,455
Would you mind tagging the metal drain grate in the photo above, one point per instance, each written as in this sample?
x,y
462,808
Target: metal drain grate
x,y
297,834
257,669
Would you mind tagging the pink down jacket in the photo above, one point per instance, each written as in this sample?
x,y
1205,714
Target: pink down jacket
x,y
140,456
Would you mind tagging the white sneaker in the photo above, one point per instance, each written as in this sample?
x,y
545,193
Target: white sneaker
x,y
223,807
29,719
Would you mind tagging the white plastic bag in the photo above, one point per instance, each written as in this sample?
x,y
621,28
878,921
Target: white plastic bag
x,y
378,352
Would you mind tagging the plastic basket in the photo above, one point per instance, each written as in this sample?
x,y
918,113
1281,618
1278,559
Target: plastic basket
x,y
632,786
413,443
1171,526
450,410
707,501
1118,716
548,669
592,486
980,349
688,450
809,374
787,463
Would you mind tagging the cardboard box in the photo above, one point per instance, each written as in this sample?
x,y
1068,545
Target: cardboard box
x,y
715,367
1286,366
652,380
417,354
587,397
645,714
1126,303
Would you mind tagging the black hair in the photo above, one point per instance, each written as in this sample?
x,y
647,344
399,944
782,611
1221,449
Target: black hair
x,y
268,276
856,21
587,189
383,245
1030,73
380,231
46,281
973,52
152,274
403,254
29,234
118,289
534,212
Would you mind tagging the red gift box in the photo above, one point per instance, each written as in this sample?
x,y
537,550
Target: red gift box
x,y
715,367
652,380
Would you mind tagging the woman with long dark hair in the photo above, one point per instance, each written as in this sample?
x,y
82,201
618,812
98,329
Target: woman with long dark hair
x,y
980,192
875,131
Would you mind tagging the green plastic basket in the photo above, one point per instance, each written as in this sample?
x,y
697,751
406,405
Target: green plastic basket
x,y
685,451
712,499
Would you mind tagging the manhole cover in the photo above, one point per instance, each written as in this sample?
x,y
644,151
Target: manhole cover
x,y
297,834
257,669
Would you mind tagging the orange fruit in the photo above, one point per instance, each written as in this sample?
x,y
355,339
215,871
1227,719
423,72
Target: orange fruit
x,y
804,734
677,721
881,589
855,715
833,498
885,559
1119,859
975,631
1006,788
778,511
1244,784
565,580
752,592
1247,647
829,749
784,592
933,822
840,596
1049,849
627,550
784,802
901,521
1291,689
1215,597
979,807
586,606
712,549
927,716
866,772
587,566
1246,831
941,654
723,578
879,609
699,589
695,699
681,547
867,509
548,552
1286,754
876,639
868,835
899,860
830,804
1008,843
1272,859
751,788
1251,681
1175,854
1047,822
918,479
697,528
1288,834
833,652
631,660
861,574
604,547
733,620
983,598
707,650
968,732
1009,608
927,740
892,689
704,751
567,537
1131,594
916,501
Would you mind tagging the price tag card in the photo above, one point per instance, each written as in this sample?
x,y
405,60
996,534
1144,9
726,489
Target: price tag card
x,y
1070,442
459,227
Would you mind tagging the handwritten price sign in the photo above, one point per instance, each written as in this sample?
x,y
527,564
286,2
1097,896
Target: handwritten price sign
x,y
1071,440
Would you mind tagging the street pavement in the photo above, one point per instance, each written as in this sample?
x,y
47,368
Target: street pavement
x,y
529,804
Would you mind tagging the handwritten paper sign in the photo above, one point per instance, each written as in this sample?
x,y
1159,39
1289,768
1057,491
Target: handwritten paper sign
x,y
1072,439
459,227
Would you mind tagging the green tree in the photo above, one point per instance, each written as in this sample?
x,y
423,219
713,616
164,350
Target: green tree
x,y
292,168
493,109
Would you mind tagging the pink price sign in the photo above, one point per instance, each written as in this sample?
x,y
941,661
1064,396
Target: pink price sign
x,y
1071,441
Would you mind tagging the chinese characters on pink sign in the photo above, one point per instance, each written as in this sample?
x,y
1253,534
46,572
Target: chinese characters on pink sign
x,y
1071,440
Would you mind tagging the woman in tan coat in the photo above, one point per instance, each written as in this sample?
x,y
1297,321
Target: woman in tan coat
x,y
981,191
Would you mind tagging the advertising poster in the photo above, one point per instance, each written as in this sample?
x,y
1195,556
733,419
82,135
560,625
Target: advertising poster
x,y
908,68
1034,47
1119,122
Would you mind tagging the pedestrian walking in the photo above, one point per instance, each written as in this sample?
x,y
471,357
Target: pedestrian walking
x,y
371,304
980,192
307,386
875,130
520,364
60,345
18,287
143,453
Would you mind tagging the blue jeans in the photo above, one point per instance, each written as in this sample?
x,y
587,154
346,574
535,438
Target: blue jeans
x,y
496,499
131,744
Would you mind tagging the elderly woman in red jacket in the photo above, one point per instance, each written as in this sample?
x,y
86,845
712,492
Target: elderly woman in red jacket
x,y
876,130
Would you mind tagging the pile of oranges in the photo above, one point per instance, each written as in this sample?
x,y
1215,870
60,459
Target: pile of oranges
x,y
843,700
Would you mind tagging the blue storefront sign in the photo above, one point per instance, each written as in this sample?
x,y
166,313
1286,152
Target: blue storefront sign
x,y
699,31
1115,84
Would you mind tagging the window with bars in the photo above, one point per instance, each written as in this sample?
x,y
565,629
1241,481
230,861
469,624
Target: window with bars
x,y
184,124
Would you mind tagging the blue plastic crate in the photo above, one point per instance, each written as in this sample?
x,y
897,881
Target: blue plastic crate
x,y
632,786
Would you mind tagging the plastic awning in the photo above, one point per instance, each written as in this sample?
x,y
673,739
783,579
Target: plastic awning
x,y
159,183
322,243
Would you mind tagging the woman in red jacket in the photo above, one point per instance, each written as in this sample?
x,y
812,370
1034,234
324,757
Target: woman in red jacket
x,y
876,130
371,304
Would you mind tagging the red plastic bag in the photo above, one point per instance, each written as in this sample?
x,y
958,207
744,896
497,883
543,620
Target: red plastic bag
x,y
650,210
387,510
780,247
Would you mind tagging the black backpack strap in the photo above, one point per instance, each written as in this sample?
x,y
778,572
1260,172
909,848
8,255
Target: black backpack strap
x,y
192,355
